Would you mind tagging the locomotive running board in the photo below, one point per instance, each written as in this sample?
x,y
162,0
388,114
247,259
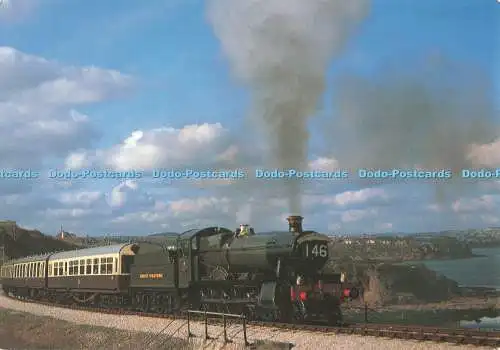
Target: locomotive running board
x,y
227,301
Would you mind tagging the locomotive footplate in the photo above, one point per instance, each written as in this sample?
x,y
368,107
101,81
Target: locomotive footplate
x,y
227,301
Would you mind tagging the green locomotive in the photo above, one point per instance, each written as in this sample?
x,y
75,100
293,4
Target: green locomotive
x,y
272,276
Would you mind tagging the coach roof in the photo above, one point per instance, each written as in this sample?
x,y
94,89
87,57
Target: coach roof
x,y
27,259
126,249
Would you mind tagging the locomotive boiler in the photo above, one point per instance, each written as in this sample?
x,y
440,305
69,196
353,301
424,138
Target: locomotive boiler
x,y
265,252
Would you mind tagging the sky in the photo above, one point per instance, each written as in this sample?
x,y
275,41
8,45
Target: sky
x,y
216,85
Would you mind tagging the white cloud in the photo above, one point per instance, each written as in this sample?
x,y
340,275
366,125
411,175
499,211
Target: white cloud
x,y
347,198
356,197
120,193
357,215
487,155
83,198
490,219
200,207
38,97
324,164
467,205
191,146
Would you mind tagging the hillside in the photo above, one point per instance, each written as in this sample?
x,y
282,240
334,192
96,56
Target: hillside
x,y
395,249
19,242
477,238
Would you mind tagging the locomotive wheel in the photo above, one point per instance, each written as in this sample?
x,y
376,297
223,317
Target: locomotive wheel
x,y
145,303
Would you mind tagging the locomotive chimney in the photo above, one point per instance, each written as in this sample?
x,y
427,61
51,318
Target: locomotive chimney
x,y
295,224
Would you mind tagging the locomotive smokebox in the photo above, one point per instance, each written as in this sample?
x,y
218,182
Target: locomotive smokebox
x,y
295,224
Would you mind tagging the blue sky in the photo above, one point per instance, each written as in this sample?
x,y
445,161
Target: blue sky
x,y
177,74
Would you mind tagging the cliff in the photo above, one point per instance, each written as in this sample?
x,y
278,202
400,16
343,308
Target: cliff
x,y
385,283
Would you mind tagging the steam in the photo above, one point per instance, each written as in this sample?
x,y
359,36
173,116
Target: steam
x,y
281,51
426,117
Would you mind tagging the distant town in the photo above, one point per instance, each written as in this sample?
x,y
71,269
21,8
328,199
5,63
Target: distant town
x,y
16,241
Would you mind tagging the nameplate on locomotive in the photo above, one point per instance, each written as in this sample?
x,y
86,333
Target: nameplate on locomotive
x,y
151,275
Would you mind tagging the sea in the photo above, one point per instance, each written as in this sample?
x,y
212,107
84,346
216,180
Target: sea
x,y
480,271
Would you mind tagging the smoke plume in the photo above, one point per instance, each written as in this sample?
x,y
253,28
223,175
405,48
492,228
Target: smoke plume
x,y
281,51
425,115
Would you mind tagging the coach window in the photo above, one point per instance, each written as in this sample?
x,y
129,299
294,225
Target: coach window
x,y
75,267
88,269
115,265
50,270
55,268
95,270
109,266
71,270
82,267
30,270
37,266
102,269
62,270
25,272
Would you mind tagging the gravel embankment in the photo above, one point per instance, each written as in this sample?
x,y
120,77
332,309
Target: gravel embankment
x,y
178,329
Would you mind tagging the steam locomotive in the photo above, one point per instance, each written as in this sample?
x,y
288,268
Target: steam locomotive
x,y
268,276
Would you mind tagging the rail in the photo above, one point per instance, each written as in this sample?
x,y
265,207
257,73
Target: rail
x,y
225,316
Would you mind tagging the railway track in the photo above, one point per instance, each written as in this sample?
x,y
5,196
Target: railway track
x,y
414,332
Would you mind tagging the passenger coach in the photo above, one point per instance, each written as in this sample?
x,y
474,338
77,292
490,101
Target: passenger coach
x,y
99,269
25,276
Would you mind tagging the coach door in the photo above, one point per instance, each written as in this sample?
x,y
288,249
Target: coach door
x,y
184,263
